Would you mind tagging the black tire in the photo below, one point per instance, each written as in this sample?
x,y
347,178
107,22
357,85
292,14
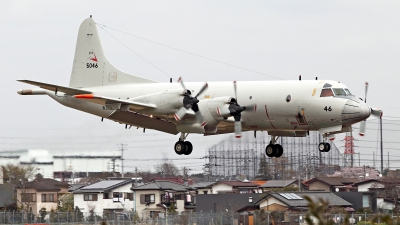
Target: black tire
x,y
328,147
279,149
271,150
180,147
189,148
322,147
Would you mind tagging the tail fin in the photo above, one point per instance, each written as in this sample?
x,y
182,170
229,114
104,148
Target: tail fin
x,y
91,67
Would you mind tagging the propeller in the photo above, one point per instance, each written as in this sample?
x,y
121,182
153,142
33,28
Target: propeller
x,y
190,102
236,110
374,112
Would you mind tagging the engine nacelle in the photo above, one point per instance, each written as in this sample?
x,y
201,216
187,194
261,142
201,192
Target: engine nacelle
x,y
219,107
167,102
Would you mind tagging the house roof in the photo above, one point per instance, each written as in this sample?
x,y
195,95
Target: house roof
x,y
75,187
334,181
45,184
333,199
177,180
161,185
278,183
259,182
236,184
103,186
202,184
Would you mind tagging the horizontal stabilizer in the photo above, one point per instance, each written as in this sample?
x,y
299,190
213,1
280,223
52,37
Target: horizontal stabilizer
x,y
110,102
56,88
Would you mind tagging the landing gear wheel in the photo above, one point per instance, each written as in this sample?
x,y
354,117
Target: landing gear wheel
x,y
279,150
328,147
189,148
324,147
180,147
271,150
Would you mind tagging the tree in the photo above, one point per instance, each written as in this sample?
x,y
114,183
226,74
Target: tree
x,y
392,188
18,176
167,169
263,171
66,202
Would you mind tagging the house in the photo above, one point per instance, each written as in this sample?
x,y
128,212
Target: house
x,y
178,180
287,204
332,184
279,184
105,196
155,197
203,187
234,187
40,193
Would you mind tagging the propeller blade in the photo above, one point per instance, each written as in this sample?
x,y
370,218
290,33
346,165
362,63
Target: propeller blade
x,y
366,90
252,107
376,112
180,114
205,86
238,129
361,131
234,88
180,80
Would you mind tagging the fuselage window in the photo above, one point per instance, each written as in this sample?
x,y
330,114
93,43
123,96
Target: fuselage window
x,y
339,92
347,92
326,92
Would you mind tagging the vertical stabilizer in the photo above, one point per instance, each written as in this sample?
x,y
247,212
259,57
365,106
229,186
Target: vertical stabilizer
x,y
91,67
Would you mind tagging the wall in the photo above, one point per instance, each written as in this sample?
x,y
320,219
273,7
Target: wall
x,y
364,187
317,185
223,202
221,187
140,207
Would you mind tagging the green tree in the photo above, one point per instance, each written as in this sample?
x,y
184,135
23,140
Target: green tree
x,y
66,203
263,171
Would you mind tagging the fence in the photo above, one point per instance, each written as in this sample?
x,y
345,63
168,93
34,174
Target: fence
x,y
185,218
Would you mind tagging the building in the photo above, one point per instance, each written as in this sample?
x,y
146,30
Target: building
x,y
154,198
231,187
105,196
40,193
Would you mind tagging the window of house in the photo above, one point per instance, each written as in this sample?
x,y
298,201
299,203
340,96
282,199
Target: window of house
x,y
366,202
28,197
43,197
90,197
51,198
117,196
147,199
129,196
105,195
205,192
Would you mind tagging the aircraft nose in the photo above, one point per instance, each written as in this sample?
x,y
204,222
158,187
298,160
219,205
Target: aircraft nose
x,y
354,111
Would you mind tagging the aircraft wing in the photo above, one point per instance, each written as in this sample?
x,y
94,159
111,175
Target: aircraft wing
x,y
114,103
55,88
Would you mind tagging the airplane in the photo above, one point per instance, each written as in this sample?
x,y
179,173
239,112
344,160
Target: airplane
x,y
281,108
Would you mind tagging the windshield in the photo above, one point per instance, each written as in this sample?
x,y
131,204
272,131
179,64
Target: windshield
x,y
326,92
347,91
339,92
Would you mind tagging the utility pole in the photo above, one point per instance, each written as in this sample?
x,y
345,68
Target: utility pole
x,y
185,175
122,148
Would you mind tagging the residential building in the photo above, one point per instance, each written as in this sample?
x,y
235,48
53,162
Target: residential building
x,y
234,187
332,184
203,187
279,184
105,196
40,193
155,197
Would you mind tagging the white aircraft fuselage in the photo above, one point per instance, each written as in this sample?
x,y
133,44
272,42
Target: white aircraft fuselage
x,y
282,108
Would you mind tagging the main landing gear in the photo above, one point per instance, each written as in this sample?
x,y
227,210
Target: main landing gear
x,y
274,150
324,146
182,146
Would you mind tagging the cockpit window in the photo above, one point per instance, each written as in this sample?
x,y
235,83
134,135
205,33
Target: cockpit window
x,y
326,92
347,92
339,92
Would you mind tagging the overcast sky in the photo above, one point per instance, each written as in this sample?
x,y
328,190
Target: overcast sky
x,y
348,41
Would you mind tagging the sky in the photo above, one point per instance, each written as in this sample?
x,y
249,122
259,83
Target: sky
x,y
349,41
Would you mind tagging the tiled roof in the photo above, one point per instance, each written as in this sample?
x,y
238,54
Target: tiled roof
x,y
45,184
259,182
161,185
202,184
177,180
278,183
236,183
335,181
75,187
333,199
103,186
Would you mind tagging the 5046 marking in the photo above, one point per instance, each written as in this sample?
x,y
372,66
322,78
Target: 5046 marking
x,y
91,65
